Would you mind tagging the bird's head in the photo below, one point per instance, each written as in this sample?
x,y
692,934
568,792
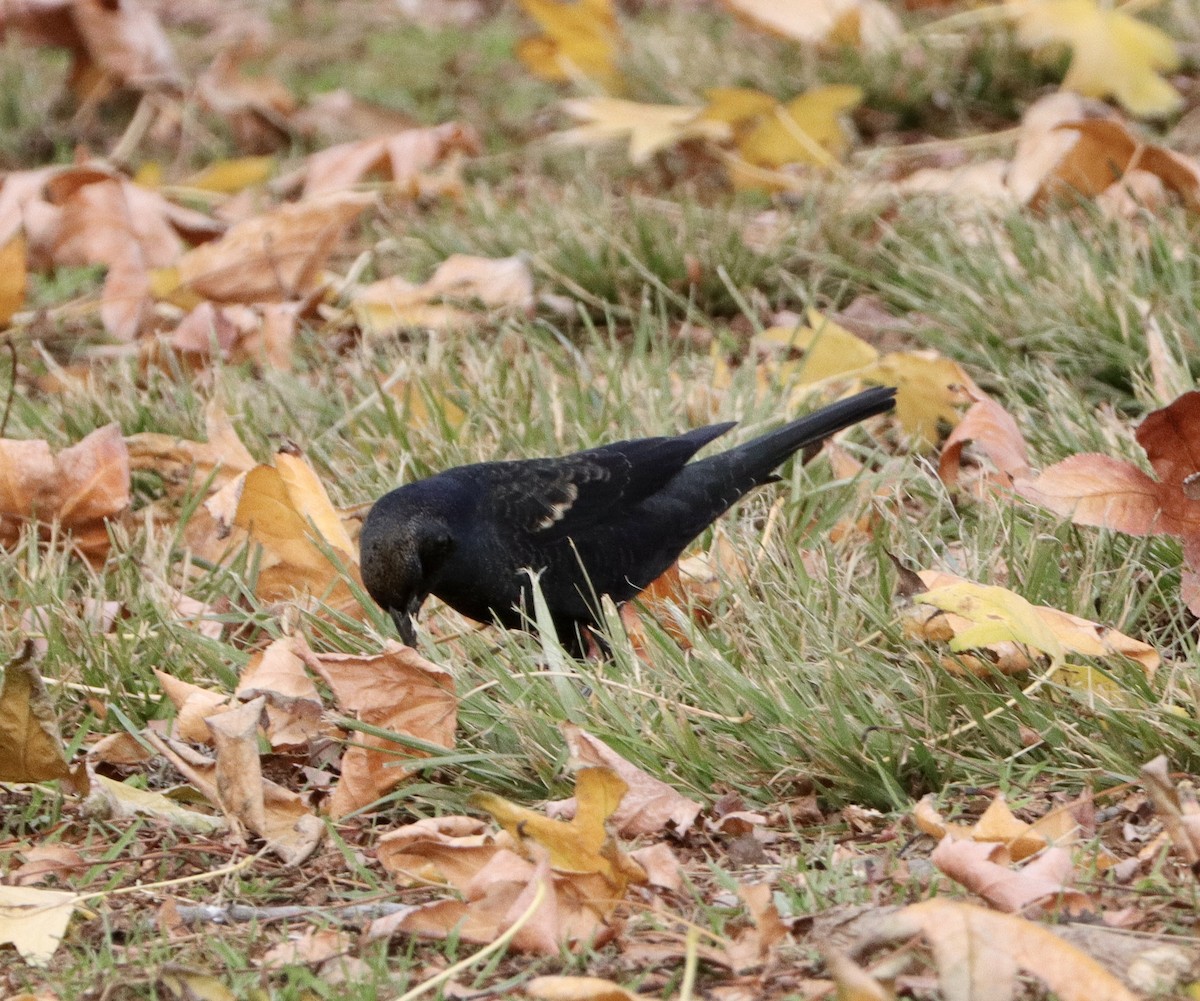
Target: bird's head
x,y
403,545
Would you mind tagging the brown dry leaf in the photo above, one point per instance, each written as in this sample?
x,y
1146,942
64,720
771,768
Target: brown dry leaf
x,y
234,782
276,256
576,989
998,825
977,616
111,44
1176,806
853,982
293,702
31,748
285,509
868,24
417,163
1042,882
992,432
312,946
396,690
81,488
393,304
649,806
263,333
44,861
439,849
257,109
193,705
754,946
186,465
979,953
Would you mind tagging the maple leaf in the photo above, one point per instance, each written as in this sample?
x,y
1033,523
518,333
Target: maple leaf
x,y
807,129
1111,52
580,39
649,127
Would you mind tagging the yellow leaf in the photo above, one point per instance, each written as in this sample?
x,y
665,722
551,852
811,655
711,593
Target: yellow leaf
x,y
34,921
582,845
829,349
1112,53
13,278
808,129
734,105
649,127
580,39
308,497
231,176
930,390
997,615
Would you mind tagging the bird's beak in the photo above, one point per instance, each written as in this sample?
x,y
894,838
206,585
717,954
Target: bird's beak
x,y
406,620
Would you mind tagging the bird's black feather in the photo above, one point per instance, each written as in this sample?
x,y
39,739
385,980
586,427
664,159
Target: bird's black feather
x,y
605,521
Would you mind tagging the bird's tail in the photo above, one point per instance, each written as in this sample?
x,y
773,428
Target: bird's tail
x,y
759,458
722,479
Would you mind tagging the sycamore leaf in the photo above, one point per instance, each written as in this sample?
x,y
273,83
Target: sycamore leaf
x,y
1112,53
649,127
579,39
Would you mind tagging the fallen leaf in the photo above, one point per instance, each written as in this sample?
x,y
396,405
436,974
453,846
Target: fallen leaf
x,y
1112,53
13,277
278,255
35,921
187,465
415,162
396,690
978,954
649,128
808,129
1177,808
576,989
1040,883
81,488
31,748
649,806
868,24
580,40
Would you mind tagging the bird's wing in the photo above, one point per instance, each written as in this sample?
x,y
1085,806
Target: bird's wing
x,y
553,498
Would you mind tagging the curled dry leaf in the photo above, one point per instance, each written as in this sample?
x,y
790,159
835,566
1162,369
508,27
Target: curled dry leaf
x,y
293,704
998,825
276,256
1040,883
34,921
392,304
193,705
583,872
979,953
81,488
649,806
993,433
1177,808
187,465
31,748
407,159
395,690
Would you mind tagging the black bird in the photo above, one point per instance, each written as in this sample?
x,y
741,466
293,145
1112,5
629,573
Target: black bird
x,y
606,521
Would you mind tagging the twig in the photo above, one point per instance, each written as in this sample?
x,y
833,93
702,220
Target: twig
x,y
225,914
